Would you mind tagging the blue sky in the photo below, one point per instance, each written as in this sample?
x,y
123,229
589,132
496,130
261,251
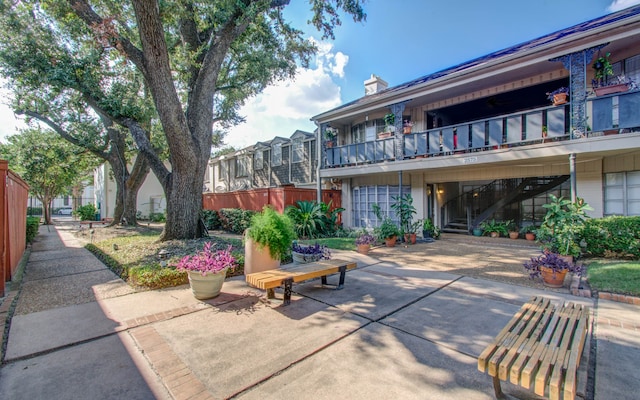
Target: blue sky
x,y
401,40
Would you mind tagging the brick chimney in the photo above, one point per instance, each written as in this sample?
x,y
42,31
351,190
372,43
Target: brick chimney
x,y
374,85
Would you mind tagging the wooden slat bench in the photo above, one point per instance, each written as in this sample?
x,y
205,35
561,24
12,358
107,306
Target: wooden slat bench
x,y
286,276
105,221
540,346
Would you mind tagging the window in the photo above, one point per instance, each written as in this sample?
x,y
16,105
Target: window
x,y
242,166
622,193
258,160
276,155
297,148
222,170
365,196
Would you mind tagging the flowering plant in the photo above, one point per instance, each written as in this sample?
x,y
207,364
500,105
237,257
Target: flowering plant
x,y
365,239
557,91
321,251
208,261
552,261
407,123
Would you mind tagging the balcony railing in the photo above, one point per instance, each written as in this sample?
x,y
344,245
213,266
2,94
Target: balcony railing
x,y
613,112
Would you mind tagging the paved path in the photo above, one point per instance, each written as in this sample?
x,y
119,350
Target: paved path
x,y
400,329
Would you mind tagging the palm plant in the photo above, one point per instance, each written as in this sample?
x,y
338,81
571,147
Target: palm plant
x,y
308,218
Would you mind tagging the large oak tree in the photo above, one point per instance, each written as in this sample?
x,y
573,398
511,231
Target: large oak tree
x,y
200,61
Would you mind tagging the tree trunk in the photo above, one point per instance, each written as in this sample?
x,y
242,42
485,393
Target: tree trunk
x,y
138,174
46,210
184,202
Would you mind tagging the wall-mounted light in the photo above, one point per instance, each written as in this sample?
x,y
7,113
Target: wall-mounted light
x,y
440,191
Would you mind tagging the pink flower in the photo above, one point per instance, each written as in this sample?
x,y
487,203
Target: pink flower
x,y
208,261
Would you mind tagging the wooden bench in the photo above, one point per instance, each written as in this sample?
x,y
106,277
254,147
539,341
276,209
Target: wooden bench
x,y
286,276
540,346
101,222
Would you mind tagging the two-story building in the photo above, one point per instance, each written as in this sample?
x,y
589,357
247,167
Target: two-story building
x,y
483,140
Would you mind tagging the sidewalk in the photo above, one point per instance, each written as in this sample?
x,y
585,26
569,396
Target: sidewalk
x,y
401,328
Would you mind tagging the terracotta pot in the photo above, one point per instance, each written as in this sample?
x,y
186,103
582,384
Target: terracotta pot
x,y
390,242
611,132
208,286
364,249
384,135
551,279
514,235
619,88
560,98
530,236
329,144
406,130
494,234
568,259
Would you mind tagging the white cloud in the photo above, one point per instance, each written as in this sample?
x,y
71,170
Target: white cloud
x,y
618,5
283,108
9,124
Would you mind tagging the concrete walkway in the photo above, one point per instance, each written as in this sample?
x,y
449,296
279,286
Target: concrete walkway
x,y
399,330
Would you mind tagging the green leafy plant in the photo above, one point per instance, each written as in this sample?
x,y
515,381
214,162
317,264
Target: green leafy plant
x,y
211,219
273,230
561,229
33,225
308,218
235,220
612,237
330,217
86,213
404,209
387,229
500,227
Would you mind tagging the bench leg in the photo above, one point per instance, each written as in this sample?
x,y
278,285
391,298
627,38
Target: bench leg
x,y
324,279
271,294
497,388
287,291
343,271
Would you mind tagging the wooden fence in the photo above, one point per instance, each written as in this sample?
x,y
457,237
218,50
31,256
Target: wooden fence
x,y
256,199
14,193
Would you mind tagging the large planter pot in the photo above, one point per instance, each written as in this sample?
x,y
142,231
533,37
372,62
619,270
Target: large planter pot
x,y
390,242
364,248
551,279
619,88
514,235
257,259
301,258
208,286
560,98
477,232
530,236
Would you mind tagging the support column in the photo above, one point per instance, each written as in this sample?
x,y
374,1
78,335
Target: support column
x,y
397,110
321,157
572,174
577,63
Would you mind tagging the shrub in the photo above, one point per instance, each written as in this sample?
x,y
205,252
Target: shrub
x,y
86,213
614,237
34,210
157,217
308,219
273,230
33,224
235,220
211,219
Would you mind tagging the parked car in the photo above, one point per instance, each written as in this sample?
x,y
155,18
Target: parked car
x,y
65,211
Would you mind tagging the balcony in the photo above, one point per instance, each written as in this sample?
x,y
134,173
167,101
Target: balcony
x,y
611,113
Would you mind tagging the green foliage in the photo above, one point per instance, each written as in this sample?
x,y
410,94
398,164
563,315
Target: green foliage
x,y
86,213
621,277
612,237
211,219
330,217
404,209
273,230
157,217
561,229
33,225
235,220
156,277
34,210
387,229
308,219
495,226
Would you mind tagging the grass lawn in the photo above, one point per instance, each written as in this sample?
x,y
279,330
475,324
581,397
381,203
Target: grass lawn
x,y
333,243
615,276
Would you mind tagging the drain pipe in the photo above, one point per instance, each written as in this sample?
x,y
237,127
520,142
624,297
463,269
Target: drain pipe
x,y
572,174
400,183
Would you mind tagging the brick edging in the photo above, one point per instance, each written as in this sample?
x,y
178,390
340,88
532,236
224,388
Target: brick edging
x,y
621,298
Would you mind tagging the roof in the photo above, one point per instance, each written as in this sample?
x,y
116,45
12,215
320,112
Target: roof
x,y
546,40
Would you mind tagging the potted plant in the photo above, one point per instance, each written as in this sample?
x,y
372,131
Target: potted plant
x,y
604,81
561,228
558,96
428,228
404,209
407,126
551,267
389,126
529,232
330,135
305,254
207,270
477,231
494,228
514,233
388,231
364,242
267,240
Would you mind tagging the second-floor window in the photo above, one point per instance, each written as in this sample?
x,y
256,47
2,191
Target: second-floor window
x,y
297,149
222,171
276,155
242,166
258,160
